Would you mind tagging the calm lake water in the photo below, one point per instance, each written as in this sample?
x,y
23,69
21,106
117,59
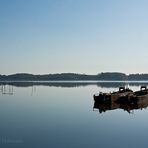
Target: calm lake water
x,y
61,115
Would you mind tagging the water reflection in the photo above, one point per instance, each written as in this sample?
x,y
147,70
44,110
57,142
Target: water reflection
x,y
101,84
129,107
62,117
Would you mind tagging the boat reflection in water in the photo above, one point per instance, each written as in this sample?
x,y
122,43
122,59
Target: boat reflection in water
x,y
128,102
103,107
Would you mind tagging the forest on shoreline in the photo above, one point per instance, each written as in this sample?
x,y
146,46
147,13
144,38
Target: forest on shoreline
x,y
106,76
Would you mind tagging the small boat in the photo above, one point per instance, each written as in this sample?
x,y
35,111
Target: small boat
x,y
108,97
124,99
135,97
142,93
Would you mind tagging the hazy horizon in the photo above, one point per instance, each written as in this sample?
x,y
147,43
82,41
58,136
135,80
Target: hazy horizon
x,y
80,36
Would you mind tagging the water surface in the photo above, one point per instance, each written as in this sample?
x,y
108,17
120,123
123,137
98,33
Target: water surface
x,y
61,115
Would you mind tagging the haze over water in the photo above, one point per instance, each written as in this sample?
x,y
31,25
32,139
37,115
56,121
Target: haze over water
x,y
62,115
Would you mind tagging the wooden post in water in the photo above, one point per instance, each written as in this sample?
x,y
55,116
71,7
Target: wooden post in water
x,y
7,90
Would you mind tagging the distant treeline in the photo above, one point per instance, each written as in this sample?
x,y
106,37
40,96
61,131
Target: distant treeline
x,y
108,76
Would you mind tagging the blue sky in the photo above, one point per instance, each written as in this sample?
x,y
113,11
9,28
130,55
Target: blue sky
x,y
81,36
